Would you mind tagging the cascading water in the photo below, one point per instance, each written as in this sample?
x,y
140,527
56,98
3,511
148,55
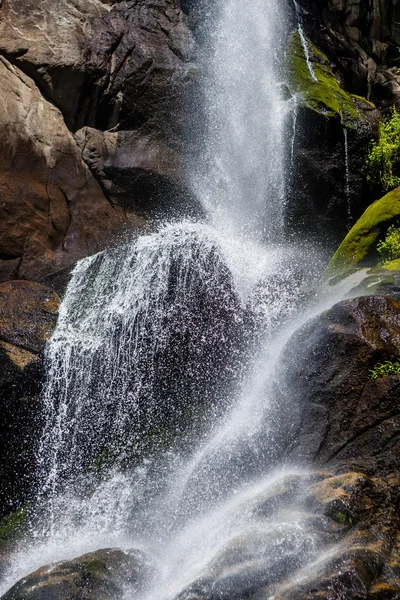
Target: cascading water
x,y
165,331
240,175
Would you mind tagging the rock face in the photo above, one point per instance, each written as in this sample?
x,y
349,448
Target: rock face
x,y
103,64
123,67
52,210
328,192
137,170
28,312
343,415
363,37
331,132
100,575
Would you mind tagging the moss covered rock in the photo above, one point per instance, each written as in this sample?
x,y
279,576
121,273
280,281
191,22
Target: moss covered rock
x,y
312,80
359,245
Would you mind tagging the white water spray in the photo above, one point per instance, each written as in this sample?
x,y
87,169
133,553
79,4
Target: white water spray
x,y
240,176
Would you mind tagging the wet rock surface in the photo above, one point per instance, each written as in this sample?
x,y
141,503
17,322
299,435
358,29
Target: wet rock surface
x,y
101,575
28,313
92,118
344,539
339,414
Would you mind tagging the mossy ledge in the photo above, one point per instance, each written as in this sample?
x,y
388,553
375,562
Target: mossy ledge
x,y
324,96
360,243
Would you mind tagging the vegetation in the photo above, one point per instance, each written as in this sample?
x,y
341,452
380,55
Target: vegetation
x,y
11,526
343,519
362,237
383,161
389,248
325,95
385,369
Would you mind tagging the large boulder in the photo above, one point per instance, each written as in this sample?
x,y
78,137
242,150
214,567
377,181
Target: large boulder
x,y
101,575
359,246
338,414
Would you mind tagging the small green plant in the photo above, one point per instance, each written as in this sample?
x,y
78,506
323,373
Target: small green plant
x,y
343,519
382,165
384,369
389,248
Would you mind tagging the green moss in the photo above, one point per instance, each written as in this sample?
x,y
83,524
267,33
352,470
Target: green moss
x,y
343,519
325,95
385,369
364,235
11,527
394,265
96,566
382,165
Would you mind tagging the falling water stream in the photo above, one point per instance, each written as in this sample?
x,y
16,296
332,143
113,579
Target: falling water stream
x,y
347,176
188,324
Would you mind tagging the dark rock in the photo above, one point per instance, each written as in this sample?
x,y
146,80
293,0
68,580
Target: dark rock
x,y
28,313
338,413
137,170
360,37
140,54
326,196
21,374
103,66
100,575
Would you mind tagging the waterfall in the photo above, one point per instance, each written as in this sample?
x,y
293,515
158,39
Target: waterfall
x,y
122,333
187,325
239,177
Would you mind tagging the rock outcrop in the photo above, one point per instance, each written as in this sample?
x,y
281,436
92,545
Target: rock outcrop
x,y
360,245
105,65
328,190
123,67
100,575
343,415
52,210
